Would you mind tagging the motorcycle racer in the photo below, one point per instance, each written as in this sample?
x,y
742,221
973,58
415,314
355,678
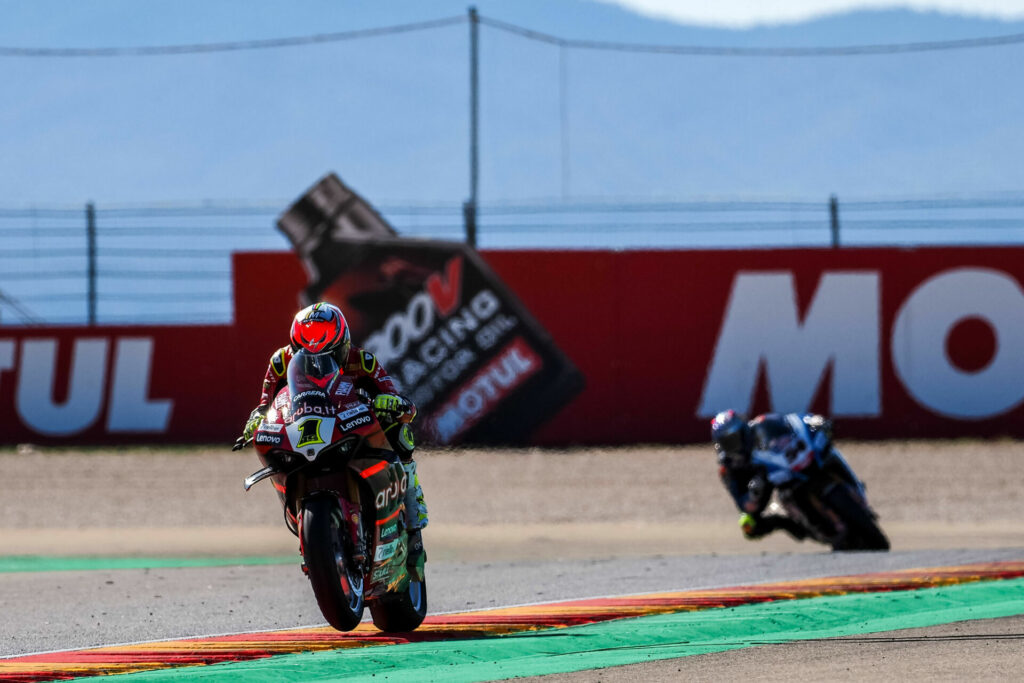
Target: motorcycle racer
x,y
735,439
321,328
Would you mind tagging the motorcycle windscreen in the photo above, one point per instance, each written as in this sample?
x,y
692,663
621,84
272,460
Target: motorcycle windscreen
x,y
311,378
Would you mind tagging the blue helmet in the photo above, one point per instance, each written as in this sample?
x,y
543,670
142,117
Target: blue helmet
x,y
731,436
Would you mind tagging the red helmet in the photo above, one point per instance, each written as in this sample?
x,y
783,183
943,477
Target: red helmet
x,y
321,328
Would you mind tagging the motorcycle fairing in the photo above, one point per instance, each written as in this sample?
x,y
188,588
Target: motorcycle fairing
x,y
310,434
387,483
785,450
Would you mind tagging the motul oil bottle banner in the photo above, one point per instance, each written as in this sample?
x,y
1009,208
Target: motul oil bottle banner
x,y
454,338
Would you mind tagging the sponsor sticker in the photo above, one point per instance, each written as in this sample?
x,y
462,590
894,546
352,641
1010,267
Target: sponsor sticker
x,y
312,393
385,551
392,492
361,408
309,433
313,409
358,422
269,438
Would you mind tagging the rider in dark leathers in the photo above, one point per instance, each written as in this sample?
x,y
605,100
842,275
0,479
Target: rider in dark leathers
x,y
735,439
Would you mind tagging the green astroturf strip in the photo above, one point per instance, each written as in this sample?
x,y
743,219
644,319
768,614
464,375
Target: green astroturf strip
x,y
34,563
625,641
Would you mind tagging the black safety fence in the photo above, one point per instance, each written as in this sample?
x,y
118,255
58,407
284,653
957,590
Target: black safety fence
x,y
171,264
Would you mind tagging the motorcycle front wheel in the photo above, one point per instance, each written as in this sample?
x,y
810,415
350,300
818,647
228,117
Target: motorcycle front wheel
x,y
862,531
337,585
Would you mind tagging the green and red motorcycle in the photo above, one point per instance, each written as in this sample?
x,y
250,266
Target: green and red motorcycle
x,y
343,489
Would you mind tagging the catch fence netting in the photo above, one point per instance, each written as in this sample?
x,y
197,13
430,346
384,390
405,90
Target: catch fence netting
x,y
172,263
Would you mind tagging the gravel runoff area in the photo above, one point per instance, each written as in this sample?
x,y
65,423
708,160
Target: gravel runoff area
x,y
539,505
495,504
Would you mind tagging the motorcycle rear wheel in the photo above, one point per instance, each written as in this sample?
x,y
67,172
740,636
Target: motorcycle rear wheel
x,y
862,531
337,585
401,612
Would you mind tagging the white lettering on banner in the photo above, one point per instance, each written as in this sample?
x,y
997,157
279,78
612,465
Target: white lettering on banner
x,y
36,378
919,343
6,355
485,304
762,324
513,365
130,408
406,329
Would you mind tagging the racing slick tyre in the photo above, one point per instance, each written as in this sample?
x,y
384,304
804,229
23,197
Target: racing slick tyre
x,y
401,612
338,587
862,531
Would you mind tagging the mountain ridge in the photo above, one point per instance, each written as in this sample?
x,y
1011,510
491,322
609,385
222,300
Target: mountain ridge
x,y
391,114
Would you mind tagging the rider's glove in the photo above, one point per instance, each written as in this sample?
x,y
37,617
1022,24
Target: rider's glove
x,y
388,403
256,418
748,524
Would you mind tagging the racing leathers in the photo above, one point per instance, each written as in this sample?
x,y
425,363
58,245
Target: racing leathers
x,y
395,411
748,483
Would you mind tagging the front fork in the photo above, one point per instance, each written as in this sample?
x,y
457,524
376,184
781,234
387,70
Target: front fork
x,y
353,522
349,519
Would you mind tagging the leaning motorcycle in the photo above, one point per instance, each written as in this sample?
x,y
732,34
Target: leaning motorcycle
x,y
817,488
342,488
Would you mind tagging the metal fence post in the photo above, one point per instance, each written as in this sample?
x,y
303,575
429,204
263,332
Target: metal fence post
x,y
833,210
90,235
469,209
469,216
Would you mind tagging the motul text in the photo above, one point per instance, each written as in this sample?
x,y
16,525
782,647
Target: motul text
x,y
129,407
509,368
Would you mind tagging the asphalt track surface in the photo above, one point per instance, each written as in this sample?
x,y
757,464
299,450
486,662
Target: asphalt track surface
x,y
531,539
75,609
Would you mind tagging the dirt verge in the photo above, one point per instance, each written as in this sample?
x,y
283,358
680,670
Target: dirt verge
x,y
495,504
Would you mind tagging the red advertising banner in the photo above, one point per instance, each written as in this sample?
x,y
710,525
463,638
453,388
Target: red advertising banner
x,y
890,342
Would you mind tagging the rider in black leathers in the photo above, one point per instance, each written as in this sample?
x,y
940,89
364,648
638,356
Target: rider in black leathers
x,y
735,439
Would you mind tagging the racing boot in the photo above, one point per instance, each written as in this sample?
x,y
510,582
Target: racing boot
x,y
415,520
416,561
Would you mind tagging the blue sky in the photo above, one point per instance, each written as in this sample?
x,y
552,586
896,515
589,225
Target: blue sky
x,y
390,114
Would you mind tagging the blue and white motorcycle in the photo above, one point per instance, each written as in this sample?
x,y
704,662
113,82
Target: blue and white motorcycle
x,y
813,483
